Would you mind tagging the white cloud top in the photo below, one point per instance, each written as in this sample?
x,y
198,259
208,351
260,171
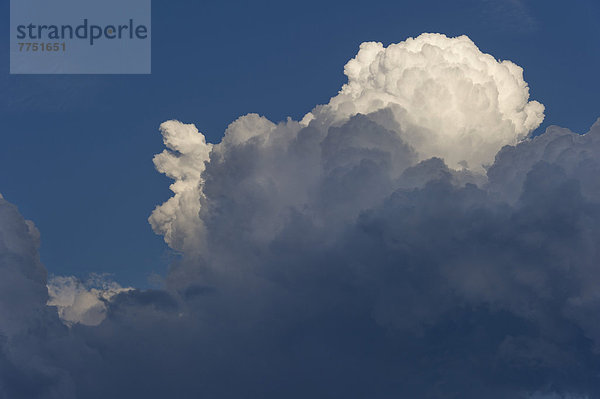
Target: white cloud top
x,y
450,99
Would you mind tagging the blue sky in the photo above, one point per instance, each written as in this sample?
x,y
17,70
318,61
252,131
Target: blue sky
x,y
76,152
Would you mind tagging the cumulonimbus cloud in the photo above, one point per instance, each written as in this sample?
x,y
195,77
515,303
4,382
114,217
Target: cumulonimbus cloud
x,y
363,251
441,96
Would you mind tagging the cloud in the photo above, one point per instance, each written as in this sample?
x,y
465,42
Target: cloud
x,y
82,302
449,99
183,161
350,254
440,96
29,331
375,213
575,154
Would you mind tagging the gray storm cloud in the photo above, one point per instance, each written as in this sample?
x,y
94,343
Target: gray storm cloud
x,y
29,330
363,252
440,96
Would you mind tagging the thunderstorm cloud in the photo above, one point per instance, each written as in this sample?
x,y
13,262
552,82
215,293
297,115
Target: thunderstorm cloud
x,y
408,239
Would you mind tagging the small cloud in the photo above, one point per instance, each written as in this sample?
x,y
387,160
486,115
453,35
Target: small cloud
x,y
82,302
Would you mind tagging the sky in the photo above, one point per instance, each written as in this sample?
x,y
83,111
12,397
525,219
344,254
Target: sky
x,y
77,150
357,200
